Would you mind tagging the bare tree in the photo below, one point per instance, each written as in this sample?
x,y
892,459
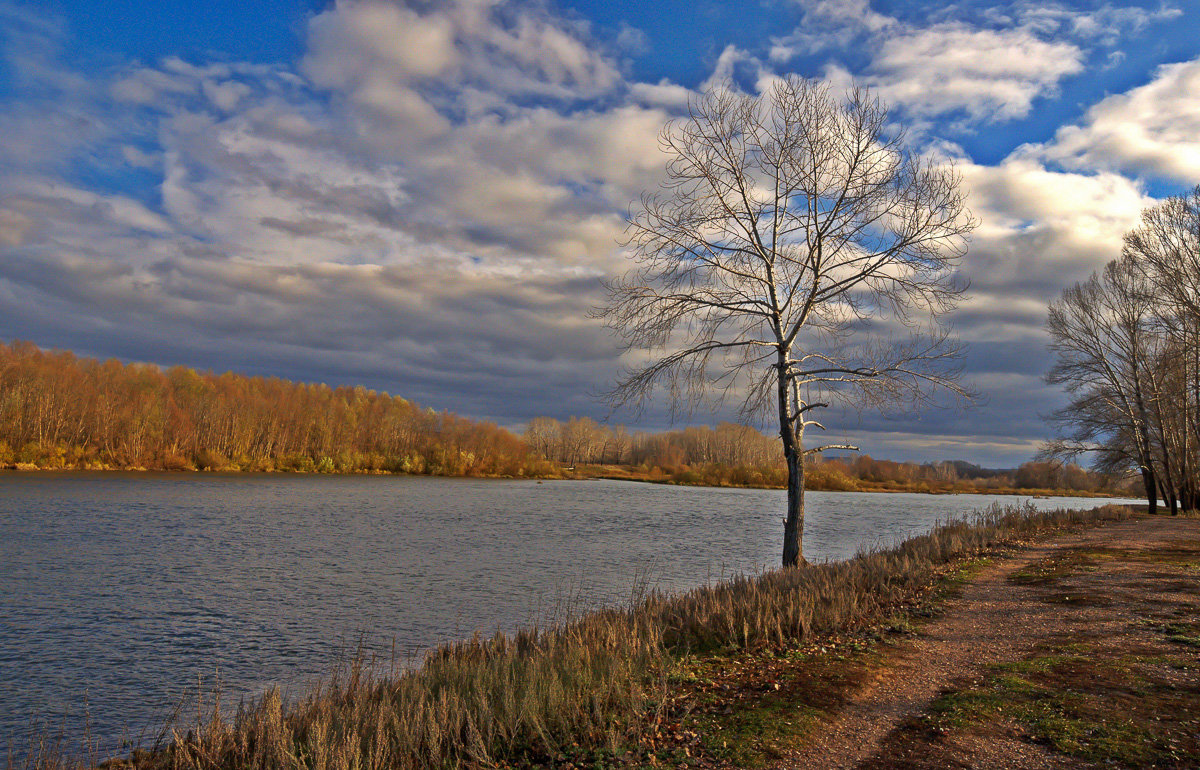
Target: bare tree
x,y
1166,247
796,256
1103,336
1128,351
544,436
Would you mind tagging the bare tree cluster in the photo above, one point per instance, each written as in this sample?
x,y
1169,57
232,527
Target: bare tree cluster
x,y
583,440
796,257
1127,345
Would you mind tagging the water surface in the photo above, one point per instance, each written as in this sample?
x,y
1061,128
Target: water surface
x,y
121,591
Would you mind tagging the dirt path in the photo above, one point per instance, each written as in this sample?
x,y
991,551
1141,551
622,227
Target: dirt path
x,y
997,620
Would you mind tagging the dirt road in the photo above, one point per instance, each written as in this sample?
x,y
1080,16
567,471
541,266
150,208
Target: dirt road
x,y
1079,652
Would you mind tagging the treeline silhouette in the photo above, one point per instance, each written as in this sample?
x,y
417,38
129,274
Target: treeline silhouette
x,y
58,410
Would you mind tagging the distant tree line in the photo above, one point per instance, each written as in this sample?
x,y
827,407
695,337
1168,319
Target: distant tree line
x,y
740,455
1127,345
728,454
865,472
583,440
62,411
58,410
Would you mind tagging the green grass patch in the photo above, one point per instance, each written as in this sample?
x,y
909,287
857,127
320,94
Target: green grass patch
x,y
962,574
1126,711
749,710
1179,632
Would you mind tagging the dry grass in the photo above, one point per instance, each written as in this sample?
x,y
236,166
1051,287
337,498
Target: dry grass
x,y
587,688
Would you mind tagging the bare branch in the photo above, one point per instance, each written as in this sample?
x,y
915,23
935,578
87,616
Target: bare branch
x,y
827,447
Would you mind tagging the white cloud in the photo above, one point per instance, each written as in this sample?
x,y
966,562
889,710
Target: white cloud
x,y
1106,24
1043,230
515,50
662,94
356,40
827,24
979,68
1153,129
988,74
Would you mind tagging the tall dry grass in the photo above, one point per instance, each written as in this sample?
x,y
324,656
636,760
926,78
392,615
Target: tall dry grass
x,y
593,682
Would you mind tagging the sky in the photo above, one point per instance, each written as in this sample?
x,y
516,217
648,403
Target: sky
x,y
425,197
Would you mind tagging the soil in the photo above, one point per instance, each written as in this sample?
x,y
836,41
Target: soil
x,y
1005,675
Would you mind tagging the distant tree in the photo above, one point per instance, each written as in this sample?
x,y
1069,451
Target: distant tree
x,y
544,436
582,439
792,234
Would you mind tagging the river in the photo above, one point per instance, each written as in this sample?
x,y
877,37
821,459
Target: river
x,y
122,592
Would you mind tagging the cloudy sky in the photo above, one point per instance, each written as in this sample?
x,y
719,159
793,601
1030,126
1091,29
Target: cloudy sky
x,y
423,197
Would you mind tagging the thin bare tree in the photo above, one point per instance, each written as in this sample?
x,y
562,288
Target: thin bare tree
x,y
797,256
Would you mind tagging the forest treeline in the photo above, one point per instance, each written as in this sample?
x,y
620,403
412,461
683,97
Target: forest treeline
x,y
59,410
1127,346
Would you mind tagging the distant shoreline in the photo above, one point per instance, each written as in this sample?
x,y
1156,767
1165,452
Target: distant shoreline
x,y
623,473
586,473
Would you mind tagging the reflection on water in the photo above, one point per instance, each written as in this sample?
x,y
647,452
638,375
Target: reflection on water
x,y
121,590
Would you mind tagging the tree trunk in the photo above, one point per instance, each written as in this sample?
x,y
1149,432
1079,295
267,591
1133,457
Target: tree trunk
x,y
793,525
793,453
1151,491
1188,496
1168,493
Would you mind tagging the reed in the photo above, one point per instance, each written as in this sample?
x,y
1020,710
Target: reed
x,y
594,683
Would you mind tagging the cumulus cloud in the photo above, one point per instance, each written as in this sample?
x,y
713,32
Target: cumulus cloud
x,y
1153,129
986,74
983,67
425,204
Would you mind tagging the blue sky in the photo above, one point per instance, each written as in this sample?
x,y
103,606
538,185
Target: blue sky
x,y
424,197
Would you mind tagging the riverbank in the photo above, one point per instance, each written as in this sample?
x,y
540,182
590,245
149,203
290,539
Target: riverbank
x,y
598,689
818,483
551,472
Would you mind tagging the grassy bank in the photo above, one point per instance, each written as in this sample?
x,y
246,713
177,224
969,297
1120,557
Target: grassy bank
x,y
596,691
